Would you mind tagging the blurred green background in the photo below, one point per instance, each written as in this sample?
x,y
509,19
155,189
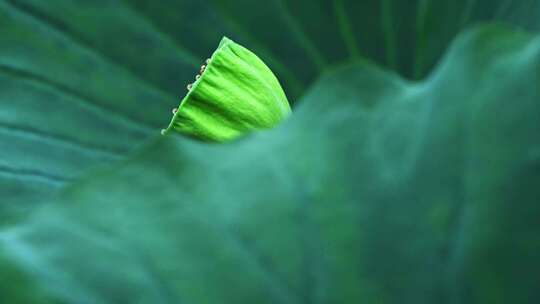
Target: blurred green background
x,y
416,154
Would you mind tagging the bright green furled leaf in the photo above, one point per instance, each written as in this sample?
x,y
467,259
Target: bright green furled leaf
x,y
377,190
234,93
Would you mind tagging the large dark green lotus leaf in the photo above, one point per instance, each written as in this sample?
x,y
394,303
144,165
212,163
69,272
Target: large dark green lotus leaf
x,y
376,190
83,83
307,36
410,36
63,109
298,38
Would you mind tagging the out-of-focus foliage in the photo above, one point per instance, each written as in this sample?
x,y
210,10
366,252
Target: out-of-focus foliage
x,y
377,189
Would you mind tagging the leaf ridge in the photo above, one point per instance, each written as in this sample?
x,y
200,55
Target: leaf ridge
x,y
63,141
88,101
345,29
192,59
33,174
389,33
313,52
79,41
